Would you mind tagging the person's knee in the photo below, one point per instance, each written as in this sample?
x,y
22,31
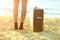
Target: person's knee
x,y
16,1
24,1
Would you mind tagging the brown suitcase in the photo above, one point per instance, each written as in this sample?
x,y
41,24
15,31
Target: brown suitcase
x,y
37,20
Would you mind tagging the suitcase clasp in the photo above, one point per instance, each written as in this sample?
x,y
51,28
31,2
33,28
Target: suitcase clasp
x,y
39,17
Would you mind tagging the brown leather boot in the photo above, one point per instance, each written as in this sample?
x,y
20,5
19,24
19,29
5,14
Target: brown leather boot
x,y
16,25
21,26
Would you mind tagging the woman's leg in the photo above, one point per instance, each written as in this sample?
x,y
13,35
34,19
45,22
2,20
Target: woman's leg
x,y
23,13
15,13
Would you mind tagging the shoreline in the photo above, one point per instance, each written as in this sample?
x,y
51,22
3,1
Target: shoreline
x,y
26,16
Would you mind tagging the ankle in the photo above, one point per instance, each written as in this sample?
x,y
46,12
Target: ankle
x,y
16,25
21,25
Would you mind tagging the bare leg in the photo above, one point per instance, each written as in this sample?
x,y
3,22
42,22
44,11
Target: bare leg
x,y
23,13
15,13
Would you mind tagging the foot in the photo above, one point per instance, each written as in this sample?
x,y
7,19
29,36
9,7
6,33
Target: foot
x,y
15,25
21,26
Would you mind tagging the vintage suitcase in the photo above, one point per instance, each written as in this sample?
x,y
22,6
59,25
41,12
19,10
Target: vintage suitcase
x,y
36,20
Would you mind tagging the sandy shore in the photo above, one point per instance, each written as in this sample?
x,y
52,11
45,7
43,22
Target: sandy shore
x,y
51,30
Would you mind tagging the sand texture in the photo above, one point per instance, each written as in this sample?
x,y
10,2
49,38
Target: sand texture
x,y
51,30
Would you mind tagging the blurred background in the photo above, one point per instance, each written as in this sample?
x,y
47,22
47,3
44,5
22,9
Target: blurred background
x,y
51,7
